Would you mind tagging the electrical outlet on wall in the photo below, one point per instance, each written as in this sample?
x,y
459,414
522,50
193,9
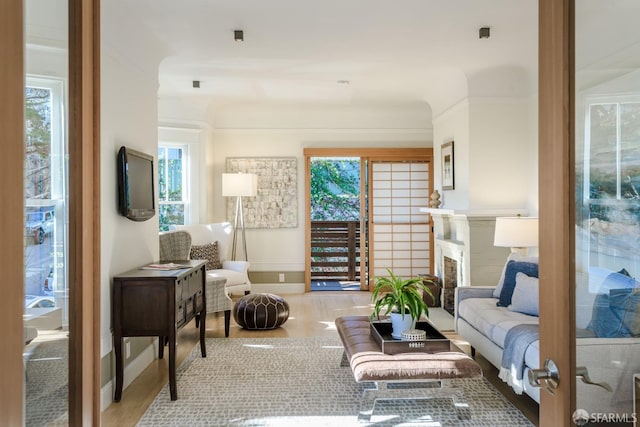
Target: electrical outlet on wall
x,y
281,277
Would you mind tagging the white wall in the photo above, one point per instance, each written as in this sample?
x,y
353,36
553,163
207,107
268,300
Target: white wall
x,y
499,153
453,125
129,116
283,249
495,152
327,117
125,244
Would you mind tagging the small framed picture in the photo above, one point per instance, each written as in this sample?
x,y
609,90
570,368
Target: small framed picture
x,y
447,164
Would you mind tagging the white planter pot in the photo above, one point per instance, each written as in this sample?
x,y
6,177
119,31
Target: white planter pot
x,y
400,324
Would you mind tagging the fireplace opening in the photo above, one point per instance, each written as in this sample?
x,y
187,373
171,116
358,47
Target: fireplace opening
x,y
449,283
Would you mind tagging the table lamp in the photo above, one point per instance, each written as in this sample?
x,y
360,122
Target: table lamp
x,y
518,233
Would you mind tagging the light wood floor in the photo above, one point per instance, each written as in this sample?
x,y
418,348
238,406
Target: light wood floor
x,y
310,314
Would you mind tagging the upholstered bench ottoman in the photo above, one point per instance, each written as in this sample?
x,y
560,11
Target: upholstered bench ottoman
x,y
261,311
368,363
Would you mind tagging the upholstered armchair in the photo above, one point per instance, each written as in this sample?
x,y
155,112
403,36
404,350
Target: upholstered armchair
x,y
176,246
204,237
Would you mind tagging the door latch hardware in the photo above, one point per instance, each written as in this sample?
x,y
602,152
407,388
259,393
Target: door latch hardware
x,y
583,374
548,377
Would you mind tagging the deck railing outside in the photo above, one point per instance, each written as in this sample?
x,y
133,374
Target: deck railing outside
x,y
335,247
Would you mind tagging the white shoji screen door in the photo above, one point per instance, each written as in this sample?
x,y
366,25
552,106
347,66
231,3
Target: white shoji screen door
x,y
401,238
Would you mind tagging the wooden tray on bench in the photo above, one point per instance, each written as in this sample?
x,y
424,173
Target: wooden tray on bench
x,y
435,342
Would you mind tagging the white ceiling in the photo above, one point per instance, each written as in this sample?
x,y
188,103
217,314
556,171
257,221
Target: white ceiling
x,y
403,53
391,53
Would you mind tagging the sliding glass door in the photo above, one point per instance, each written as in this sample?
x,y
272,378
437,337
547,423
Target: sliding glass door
x,y
375,196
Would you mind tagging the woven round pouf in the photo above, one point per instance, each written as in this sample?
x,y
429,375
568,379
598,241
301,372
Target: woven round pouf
x,y
261,311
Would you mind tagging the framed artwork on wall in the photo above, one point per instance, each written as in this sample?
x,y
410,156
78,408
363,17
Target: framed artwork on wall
x,y
447,165
276,204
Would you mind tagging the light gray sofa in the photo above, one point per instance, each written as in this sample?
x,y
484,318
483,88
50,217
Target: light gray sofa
x,y
613,360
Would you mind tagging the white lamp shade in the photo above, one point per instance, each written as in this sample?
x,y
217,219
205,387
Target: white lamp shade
x,y
239,184
516,232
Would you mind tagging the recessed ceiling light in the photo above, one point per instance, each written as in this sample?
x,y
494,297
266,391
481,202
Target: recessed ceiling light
x,y
343,82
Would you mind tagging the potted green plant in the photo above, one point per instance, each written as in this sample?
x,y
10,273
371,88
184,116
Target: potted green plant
x,y
402,299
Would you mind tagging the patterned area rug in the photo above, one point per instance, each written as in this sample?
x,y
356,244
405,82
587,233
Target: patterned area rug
x,y
299,382
46,383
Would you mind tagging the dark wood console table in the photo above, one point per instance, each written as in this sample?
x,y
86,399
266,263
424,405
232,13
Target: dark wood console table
x,y
158,303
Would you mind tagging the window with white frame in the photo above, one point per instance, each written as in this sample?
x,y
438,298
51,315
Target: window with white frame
x,y
612,151
609,174
173,169
45,192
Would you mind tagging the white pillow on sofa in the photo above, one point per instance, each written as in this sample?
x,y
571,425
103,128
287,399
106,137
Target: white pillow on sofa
x,y
512,257
525,295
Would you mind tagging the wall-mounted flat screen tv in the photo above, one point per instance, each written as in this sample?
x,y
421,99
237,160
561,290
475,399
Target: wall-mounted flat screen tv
x,y
136,195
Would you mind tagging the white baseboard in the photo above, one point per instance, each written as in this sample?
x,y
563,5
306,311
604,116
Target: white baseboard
x,y
106,345
131,372
277,288
106,395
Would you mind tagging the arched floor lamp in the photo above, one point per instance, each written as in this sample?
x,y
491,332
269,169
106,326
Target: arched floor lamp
x,y
239,185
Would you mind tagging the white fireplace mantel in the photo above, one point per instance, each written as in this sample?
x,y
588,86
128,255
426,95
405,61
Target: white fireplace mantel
x,y
467,237
478,213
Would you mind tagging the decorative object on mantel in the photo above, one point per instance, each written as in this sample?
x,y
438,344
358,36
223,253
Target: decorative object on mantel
x,y
516,232
276,203
447,165
434,200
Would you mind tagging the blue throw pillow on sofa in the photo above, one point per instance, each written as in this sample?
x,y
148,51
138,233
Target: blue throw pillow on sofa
x,y
513,268
619,280
525,295
514,256
616,314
